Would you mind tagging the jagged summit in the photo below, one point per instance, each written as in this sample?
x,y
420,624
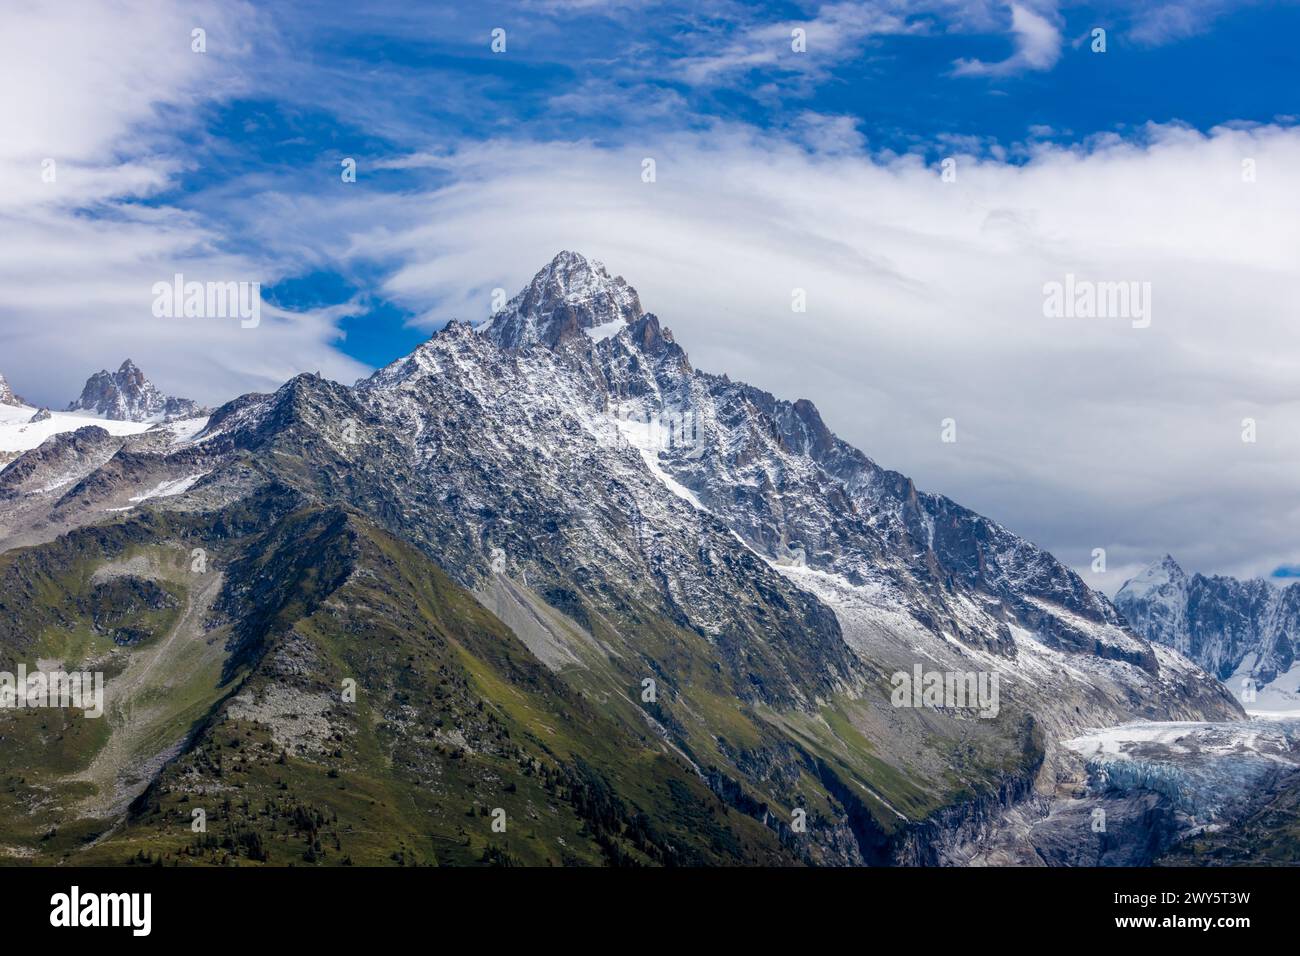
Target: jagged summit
x,y
1155,603
569,295
1229,627
7,396
127,395
1164,573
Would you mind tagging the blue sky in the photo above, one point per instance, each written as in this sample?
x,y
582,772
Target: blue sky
x,y
775,170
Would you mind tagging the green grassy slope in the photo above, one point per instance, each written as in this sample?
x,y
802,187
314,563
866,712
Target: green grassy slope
x,y
231,689
452,720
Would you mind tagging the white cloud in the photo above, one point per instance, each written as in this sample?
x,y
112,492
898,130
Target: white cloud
x,y
1038,47
81,77
826,133
105,91
1155,24
835,32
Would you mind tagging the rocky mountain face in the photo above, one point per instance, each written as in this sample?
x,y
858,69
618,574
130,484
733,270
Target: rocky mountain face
x,y
126,395
57,462
7,396
568,296
1250,629
657,608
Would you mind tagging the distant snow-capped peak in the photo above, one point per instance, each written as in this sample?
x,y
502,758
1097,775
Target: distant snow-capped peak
x,y
7,396
1165,577
127,395
1229,627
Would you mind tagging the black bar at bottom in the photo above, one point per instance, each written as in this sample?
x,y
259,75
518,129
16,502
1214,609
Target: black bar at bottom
x,y
333,905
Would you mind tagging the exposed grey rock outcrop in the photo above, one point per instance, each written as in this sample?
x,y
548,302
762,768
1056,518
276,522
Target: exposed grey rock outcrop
x,y
126,395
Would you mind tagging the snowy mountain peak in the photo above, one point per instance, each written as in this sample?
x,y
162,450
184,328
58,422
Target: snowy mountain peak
x,y
130,372
1169,564
127,395
1227,626
1155,603
7,396
1165,576
568,296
